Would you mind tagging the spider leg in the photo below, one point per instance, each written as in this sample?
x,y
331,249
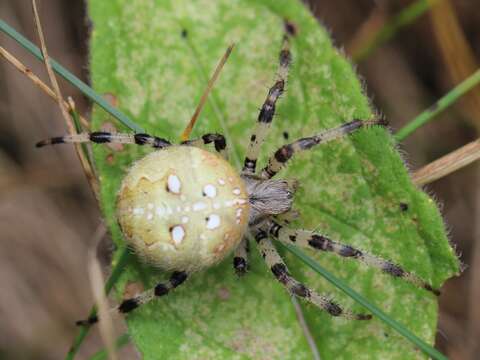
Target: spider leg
x,y
320,242
279,269
218,140
286,152
101,137
267,111
240,257
127,305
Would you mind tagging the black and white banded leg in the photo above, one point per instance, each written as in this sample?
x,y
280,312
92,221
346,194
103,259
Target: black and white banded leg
x,y
316,241
240,257
101,137
161,289
218,141
281,273
267,111
286,152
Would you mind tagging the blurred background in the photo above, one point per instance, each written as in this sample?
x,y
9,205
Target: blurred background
x,y
48,216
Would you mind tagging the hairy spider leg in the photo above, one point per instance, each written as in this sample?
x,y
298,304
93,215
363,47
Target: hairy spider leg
x,y
279,269
317,241
127,305
101,137
240,257
286,152
267,111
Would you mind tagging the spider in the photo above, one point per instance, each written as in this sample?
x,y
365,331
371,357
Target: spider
x,y
183,209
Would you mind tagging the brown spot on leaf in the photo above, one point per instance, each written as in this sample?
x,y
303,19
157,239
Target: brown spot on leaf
x,y
110,159
224,293
111,99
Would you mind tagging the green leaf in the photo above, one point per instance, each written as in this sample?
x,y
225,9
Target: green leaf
x,y
351,190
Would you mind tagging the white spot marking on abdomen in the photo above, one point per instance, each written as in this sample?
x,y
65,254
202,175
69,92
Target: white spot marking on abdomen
x,y
199,206
210,190
174,184
177,234
213,221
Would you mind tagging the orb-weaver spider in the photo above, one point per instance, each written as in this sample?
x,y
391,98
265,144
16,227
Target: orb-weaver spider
x,y
184,209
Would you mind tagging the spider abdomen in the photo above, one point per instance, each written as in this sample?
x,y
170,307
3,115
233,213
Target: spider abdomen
x,y
182,208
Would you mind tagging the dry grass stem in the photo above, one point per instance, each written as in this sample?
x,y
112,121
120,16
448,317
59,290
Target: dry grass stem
x,y
186,133
457,54
97,284
68,120
36,80
448,164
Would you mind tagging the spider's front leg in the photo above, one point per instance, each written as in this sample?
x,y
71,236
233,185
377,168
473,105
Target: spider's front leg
x,y
316,241
267,111
102,137
218,140
161,289
279,269
286,152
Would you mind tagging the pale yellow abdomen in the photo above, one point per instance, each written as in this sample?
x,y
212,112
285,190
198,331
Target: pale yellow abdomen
x,y
182,208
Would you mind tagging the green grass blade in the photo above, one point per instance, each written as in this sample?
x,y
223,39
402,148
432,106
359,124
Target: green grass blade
x,y
427,349
117,269
103,354
440,105
67,75
392,26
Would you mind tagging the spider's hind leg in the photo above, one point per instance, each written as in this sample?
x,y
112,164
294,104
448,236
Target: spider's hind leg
x,y
316,241
161,289
281,273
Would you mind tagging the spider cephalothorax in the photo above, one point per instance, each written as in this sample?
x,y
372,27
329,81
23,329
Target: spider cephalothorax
x,y
184,209
267,198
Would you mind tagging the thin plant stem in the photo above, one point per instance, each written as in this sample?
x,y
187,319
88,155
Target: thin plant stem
x,y
105,325
427,349
186,133
117,270
63,109
448,164
67,75
391,27
440,105
78,126
36,81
